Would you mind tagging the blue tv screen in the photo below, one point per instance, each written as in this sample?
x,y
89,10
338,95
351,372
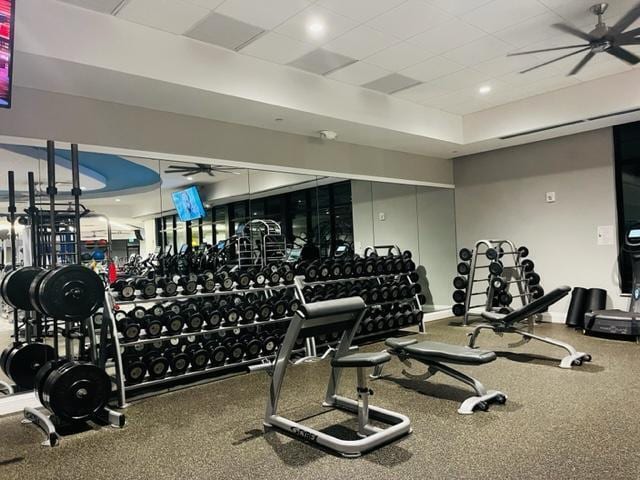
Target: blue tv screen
x,y
188,204
7,13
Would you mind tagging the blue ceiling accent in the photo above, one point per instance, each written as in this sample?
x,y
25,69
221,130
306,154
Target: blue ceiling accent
x,y
117,173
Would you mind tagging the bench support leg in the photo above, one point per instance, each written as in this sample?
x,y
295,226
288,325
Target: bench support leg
x,y
574,357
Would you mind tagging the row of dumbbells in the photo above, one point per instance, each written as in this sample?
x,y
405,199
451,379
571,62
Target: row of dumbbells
x,y
371,291
206,282
207,313
178,356
355,267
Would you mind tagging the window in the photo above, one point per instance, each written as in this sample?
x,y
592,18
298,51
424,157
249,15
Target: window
x,y
627,171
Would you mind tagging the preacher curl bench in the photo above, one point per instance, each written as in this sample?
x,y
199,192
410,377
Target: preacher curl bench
x,y
340,315
512,323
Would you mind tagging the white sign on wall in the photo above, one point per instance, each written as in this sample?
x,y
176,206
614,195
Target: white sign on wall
x,y
605,235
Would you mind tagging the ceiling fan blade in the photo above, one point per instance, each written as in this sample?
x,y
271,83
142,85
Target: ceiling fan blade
x,y
573,31
178,168
547,50
630,33
211,173
582,63
626,20
556,59
631,41
624,55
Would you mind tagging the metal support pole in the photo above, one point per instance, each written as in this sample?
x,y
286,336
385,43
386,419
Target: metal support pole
x,y
52,191
12,221
76,191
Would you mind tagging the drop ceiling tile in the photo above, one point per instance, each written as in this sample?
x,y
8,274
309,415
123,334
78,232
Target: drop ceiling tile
x,y
360,10
530,31
466,108
358,73
224,31
460,80
175,16
277,48
102,6
457,7
334,25
421,93
397,57
452,100
523,79
392,83
500,14
432,68
360,42
210,4
262,13
503,64
593,71
409,19
322,61
478,51
549,84
447,36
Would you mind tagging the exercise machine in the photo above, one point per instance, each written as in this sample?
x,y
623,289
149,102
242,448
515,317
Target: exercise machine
x,y
434,355
619,322
343,314
513,323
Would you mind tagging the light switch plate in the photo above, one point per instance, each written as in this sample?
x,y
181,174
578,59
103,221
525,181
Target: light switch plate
x,y
381,216
550,197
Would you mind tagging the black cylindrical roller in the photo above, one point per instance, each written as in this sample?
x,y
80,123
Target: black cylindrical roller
x,y
577,307
596,299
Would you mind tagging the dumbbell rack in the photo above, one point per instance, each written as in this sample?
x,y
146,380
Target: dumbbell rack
x,y
112,304
301,284
515,270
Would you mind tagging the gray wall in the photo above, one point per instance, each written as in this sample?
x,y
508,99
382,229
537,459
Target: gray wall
x,y
420,219
501,194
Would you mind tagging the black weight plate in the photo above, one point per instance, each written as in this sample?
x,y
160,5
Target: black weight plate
x,y
135,371
199,358
179,363
76,391
71,292
23,362
158,367
15,287
43,374
3,357
219,355
34,288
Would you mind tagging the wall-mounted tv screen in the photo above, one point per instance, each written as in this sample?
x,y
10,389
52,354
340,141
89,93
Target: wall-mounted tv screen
x,y
7,15
188,204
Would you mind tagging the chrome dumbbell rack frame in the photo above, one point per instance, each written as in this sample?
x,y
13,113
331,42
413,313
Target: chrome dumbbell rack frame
x,y
515,272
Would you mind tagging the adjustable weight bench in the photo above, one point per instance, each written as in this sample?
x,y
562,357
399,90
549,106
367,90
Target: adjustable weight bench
x,y
434,355
340,315
512,323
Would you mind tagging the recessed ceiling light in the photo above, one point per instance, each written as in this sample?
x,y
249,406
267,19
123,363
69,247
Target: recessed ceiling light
x,y
484,89
189,178
117,199
315,28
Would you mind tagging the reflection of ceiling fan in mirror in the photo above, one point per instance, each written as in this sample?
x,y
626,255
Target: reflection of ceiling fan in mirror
x,y
188,170
602,39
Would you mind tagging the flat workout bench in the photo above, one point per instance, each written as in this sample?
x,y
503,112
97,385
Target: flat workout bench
x,y
433,354
510,323
343,315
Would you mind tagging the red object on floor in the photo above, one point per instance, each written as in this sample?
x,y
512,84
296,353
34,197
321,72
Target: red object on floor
x,y
113,272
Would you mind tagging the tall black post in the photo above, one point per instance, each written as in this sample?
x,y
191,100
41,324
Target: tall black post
x,y
33,217
14,257
76,191
52,191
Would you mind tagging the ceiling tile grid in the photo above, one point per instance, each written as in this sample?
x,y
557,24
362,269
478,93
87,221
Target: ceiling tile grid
x,y
446,54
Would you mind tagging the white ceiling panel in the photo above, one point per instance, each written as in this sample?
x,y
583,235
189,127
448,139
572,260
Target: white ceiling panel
x,y
397,57
358,73
360,10
421,93
460,80
501,14
210,4
175,16
432,68
263,13
467,107
360,42
457,7
530,31
447,36
322,61
391,83
409,19
102,6
502,65
224,31
597,70
478,51
333,25
277,48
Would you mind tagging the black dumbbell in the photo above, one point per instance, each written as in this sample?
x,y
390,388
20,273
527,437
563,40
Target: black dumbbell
x,y
146,287
459,296
533,278
156,310
465,254
463,268
230,314
124,288
536,291
527,265
189,284
287,274
242,279
293,305
269,343
173,323
157,365
235,349
218,354
194,321
263,312
134,369
458,309
358,268
207,282
278,307
129,328
272,274
168,287
173,308
198,355
252,346
225,280
152,325
505,298
258,278
178,360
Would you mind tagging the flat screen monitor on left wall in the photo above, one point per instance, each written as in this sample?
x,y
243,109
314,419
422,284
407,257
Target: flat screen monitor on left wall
x,y
188,204
7,34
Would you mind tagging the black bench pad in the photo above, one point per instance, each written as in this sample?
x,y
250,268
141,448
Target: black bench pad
x,y
364,359
441,352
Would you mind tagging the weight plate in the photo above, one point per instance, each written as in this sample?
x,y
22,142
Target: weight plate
x,y
23,362
158,367
76,391
134,371
3,357
43,374
219,355
15,287
179,363
71,292
34,288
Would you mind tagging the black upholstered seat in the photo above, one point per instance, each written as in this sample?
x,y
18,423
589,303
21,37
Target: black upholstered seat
x,y
363,359
441,352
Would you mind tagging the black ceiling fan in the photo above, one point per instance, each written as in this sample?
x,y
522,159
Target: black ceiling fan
x,y
601,39
189,170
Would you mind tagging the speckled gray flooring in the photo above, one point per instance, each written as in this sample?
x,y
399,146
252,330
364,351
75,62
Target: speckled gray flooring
x,y
558,424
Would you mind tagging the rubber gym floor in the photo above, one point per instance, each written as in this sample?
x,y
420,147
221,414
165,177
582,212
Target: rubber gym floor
x,y
558,424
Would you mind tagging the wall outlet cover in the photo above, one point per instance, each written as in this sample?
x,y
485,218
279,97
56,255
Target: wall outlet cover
x,y
381,216
550,197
